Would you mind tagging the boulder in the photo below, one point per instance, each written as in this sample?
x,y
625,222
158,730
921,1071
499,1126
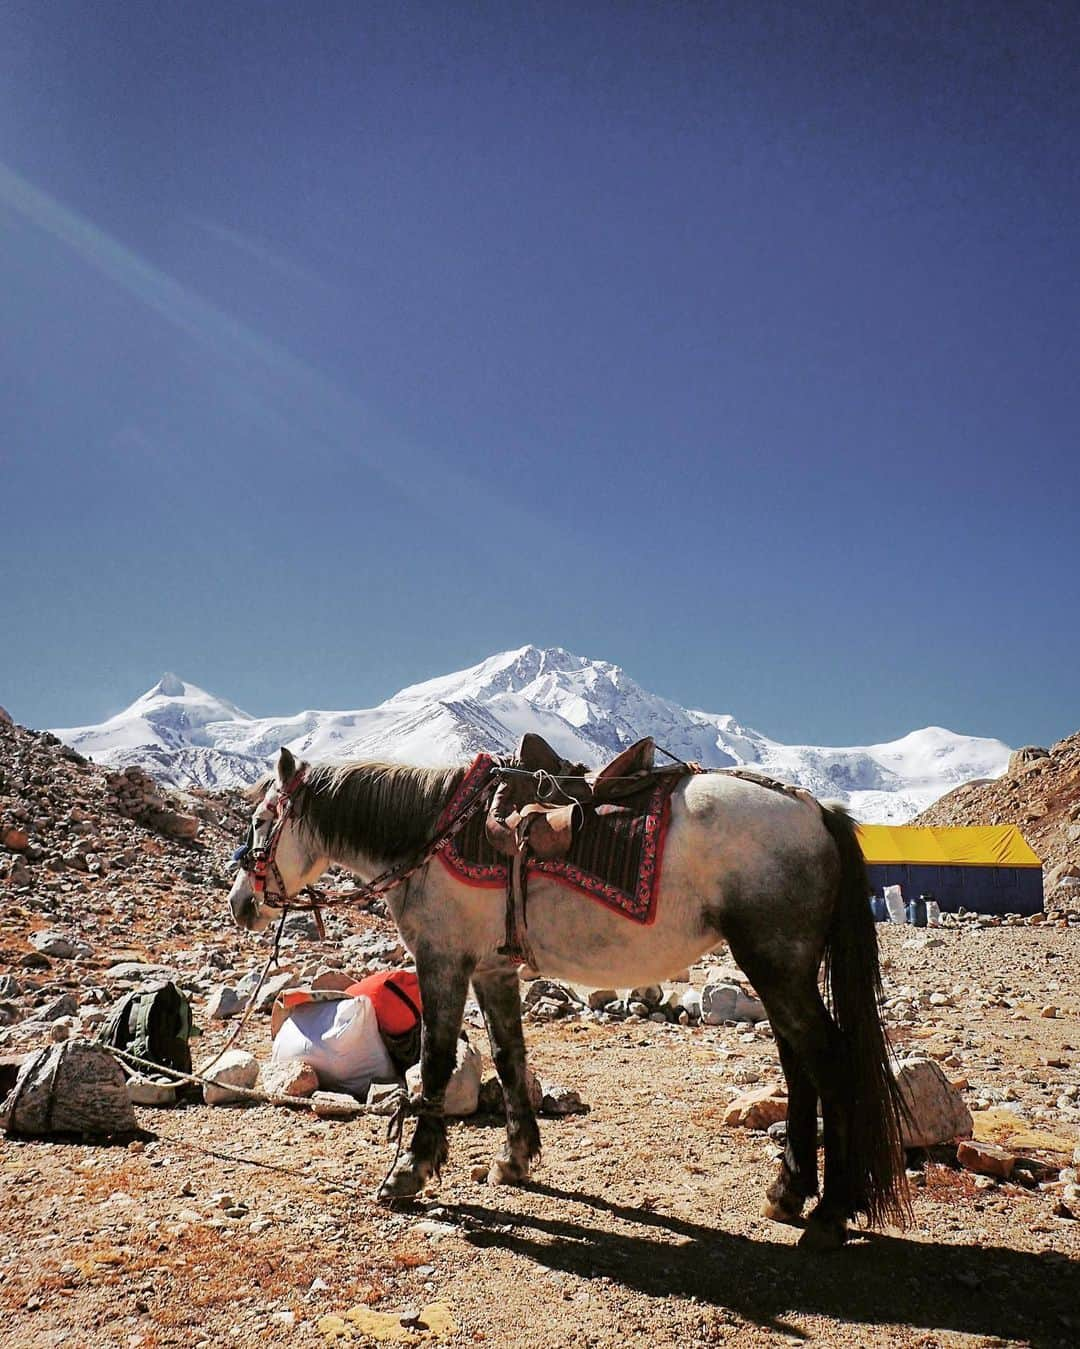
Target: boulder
x,y
601,997
73,1087
652,995
1020,760
718,1003
757,1109
64,1005
560,1100
18,840
493,1101
59,945
335,1105
551,991
292,1077
986,1159
137,972
936,1112
235,1068
463,1090
151,1091
223,1003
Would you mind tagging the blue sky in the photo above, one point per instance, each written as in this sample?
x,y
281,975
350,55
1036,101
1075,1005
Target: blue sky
x,y
343,345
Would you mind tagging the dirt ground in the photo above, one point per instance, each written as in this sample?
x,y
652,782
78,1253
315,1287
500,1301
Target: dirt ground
x,y
643,1224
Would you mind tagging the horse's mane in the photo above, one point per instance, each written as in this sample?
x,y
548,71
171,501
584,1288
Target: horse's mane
x,y
386,811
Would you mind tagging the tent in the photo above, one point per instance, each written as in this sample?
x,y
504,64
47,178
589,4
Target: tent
x,y
982,868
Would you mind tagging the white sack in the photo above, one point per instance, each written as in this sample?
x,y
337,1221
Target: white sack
x,y
894,902
340,1040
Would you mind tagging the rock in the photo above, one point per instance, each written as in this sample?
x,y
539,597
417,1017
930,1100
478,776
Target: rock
x,y
463,1090
235,1068
18,840
272,986
19,872
749,1009
559,1100
937,1113
137,972
757,1109
1050,1011
552,991
151,1091
174,824
63,1028
335,1105
56,944
64,1005
9,986
1021,759
718,1002
223,1003
293,1077
34,960
1068,1204
690,1003
986,1159
383,1097
74,1087
601,997
302,924
652,995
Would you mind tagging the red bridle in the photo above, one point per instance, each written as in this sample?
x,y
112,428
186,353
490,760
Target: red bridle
x,y
262,860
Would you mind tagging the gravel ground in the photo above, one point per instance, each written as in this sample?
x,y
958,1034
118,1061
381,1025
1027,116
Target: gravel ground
x,y
643,1225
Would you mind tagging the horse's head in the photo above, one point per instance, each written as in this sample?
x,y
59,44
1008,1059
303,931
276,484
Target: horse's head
x,y
278,858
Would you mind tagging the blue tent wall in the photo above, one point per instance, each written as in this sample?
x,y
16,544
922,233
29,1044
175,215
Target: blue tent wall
x,y
977,889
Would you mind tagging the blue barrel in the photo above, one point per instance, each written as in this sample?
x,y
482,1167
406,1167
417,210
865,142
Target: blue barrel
x,y
916,912
878,909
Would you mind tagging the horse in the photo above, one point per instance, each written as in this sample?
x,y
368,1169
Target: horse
x,y
774,873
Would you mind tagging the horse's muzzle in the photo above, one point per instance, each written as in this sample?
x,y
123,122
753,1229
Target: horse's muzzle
x,y
243,904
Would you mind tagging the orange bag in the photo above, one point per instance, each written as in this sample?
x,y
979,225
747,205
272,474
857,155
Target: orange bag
x,y
395,995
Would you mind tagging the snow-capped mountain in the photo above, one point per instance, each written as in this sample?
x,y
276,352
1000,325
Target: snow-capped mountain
x,y
587,709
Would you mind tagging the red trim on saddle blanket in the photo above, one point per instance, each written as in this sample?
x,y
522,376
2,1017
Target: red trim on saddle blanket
x,y
608,834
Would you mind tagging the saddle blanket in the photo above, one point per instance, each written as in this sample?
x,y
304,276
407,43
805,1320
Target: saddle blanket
x,y
615,857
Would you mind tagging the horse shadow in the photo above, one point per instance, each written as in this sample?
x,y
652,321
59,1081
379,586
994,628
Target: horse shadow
x,y
876,1279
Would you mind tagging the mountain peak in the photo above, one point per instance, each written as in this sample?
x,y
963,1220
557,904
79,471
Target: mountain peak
x,y
169,686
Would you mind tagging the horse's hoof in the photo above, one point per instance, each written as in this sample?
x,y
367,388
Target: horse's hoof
x,y
820,1236
403,1184
786,1209
505,1171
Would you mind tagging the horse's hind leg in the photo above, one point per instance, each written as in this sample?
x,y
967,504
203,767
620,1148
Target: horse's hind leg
x,y
498,993
813,1038
812,1059
798,1178
444,983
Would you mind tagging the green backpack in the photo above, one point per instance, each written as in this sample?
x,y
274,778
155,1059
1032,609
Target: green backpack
x,y
153,1023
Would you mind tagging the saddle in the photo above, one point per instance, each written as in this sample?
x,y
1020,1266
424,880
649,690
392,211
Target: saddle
x,y
540,804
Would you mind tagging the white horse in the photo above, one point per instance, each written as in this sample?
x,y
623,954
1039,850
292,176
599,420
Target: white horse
x,y
771,871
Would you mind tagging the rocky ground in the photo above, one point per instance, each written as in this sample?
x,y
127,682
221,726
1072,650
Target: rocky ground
x,y
254,1224
1040,792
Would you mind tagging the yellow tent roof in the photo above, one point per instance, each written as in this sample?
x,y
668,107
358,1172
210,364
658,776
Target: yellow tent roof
x,y
988,845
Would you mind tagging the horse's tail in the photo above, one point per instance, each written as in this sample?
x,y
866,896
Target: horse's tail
x,y
875,1158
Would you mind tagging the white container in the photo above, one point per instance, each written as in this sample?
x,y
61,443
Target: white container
x,y
894,902
933,913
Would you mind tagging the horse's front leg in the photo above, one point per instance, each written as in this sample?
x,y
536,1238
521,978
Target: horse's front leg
x,y
498,993
444,982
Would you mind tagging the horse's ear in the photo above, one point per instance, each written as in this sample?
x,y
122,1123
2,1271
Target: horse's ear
x,y
286,767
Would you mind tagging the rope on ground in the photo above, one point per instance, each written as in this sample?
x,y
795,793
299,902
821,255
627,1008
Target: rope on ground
x,y
312,1177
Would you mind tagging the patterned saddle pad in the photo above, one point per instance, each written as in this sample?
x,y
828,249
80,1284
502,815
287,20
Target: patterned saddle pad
x,y
615,858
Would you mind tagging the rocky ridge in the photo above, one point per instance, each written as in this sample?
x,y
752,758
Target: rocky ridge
x,y
1040,793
